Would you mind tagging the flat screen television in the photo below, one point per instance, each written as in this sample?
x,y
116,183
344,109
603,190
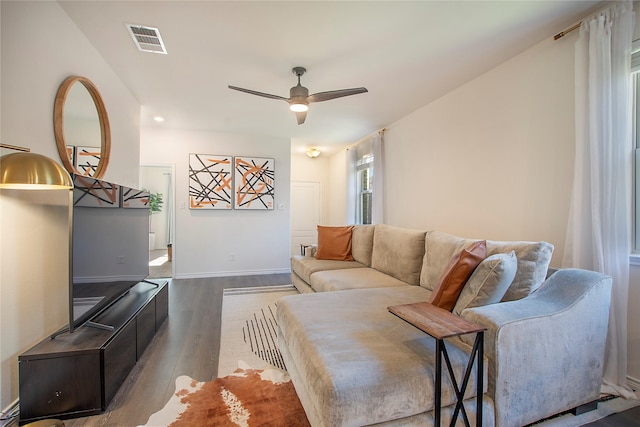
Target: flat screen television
x,y
110,249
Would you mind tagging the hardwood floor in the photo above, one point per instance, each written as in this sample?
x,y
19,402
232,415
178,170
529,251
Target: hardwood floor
x,y
629,418
188,343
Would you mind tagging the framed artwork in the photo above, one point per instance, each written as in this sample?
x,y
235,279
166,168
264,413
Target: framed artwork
x,y
87,159
95,193
210,181
134,199
254,183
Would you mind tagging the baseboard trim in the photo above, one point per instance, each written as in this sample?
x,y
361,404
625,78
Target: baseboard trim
x,y
232,273
634,383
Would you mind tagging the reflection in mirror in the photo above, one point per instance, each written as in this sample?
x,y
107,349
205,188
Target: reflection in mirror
x,y
81,127
82,130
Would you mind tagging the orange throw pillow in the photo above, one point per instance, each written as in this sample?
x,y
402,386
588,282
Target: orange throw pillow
x,y
456,275
334,243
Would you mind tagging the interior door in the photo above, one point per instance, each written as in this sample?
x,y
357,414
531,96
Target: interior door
x,y
305,214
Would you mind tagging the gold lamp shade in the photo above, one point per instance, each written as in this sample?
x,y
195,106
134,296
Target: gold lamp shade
x,y
31,171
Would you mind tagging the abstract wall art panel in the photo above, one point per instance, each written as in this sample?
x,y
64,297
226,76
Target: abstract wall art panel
x,y
134,199
87,159
71,154
254,183
210,181
94,193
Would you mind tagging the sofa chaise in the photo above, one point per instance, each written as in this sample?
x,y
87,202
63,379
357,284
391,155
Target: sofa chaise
x,y
353,363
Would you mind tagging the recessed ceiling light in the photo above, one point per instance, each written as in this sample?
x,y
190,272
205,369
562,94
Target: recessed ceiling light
x,y
158,119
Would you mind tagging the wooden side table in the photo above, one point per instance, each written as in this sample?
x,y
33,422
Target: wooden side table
x,y
441,324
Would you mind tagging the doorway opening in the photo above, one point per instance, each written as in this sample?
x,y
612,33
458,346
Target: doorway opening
x,y
158,180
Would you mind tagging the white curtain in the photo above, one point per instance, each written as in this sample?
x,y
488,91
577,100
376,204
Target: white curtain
x,y
352,191
599,228
377,211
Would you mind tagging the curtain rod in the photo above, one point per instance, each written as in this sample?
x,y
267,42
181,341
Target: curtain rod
x,y
354,145
567,31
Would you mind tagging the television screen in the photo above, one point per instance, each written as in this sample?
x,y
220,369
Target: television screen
x,y
110,245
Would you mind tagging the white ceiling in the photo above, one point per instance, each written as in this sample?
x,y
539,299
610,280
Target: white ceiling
x,y
406,54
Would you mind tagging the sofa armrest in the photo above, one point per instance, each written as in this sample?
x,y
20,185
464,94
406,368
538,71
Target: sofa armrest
x,y
546,351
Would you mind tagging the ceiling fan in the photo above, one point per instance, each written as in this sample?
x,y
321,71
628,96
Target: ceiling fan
x,y
299,98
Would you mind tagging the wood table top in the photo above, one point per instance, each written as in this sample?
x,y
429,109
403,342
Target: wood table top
x,y
435,321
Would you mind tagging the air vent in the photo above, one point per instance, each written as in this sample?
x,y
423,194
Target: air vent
x,y
147,39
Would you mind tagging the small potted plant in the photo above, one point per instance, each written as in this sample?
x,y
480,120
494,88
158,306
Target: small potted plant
x,y
155,203
155,206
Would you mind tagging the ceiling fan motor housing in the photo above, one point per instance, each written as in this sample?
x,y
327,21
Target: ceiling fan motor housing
x,y
298,94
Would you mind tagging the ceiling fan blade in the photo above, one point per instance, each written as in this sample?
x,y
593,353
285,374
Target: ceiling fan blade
x,y
333,94
301,116
253,92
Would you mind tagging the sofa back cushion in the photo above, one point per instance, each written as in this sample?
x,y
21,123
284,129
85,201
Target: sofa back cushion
x,y
533,261
362,243
398,252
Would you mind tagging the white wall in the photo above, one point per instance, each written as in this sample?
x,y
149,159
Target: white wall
x,y
40,48
204,240
338,192
492,159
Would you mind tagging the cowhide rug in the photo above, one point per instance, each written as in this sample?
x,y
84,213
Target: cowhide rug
x,y
246,398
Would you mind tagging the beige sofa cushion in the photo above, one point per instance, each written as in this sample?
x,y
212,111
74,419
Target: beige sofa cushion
x,y
488,283
305,266
533,261
364,365
362,243
398,252
353,278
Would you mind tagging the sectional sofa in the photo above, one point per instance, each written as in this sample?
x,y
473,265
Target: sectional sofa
x,y
353,363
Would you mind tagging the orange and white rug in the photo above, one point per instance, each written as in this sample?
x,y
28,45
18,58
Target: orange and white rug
x,y
246,398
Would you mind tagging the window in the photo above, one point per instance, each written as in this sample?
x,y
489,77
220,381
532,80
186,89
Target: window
x,y
362,170
364,190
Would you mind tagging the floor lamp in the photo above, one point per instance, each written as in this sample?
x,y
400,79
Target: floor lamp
x,y
30,171
25,170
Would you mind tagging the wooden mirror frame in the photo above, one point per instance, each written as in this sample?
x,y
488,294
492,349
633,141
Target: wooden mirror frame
x,y
103,118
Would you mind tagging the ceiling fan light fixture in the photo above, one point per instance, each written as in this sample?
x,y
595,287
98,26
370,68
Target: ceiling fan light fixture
x,y
298,107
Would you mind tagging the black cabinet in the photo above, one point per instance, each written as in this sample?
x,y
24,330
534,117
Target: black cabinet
x,y
78,374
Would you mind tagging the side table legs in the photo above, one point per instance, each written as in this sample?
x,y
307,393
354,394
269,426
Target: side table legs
x,y
477,353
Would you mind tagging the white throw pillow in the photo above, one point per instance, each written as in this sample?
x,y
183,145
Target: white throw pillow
x,y
489,282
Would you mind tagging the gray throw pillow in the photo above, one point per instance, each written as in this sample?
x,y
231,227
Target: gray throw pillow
x,y
489,282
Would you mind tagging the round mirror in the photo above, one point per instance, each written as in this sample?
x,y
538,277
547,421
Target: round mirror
x,y
81,127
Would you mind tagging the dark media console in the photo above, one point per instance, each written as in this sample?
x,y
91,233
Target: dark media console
x,y
78,374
